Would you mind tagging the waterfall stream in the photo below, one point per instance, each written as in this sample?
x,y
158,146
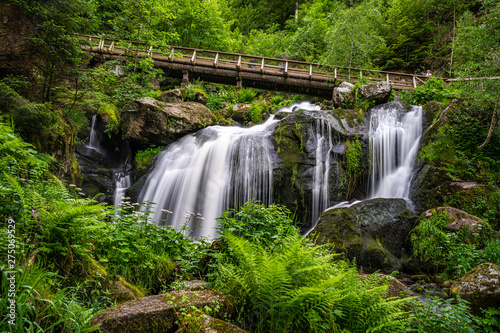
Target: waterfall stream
x,y
122,183
394,140
93,138
206,172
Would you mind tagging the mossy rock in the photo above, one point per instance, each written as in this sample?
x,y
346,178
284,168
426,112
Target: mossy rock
x,y
157,314
427,189
374,232
480,286
214,325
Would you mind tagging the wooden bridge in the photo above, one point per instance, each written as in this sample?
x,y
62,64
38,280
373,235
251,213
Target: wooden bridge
x,y
245,70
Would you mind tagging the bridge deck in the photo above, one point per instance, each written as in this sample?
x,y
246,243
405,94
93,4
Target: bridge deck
x,y
246,70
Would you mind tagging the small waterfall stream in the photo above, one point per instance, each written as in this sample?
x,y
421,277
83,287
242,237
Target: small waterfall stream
x,y
394,140
122,183
93,137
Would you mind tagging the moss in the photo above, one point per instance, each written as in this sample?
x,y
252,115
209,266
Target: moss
x,y
108,112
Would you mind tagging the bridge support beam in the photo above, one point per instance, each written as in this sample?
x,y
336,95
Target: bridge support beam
x,y
185,78
239,82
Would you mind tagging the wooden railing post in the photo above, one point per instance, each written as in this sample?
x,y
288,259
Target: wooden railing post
x,y
262,66
414,82
171,55
150,51
216,60
335,73
388,81
111,47
238,66
310,71
193,58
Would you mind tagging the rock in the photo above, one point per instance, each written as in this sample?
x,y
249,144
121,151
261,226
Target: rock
x,y
147,122
156,314
373,231
171,96
396,287
480,286
241,113
96,177
379,92
427,189
342,94
122,291
214,325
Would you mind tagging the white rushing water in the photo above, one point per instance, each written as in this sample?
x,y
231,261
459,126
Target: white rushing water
x,y
93,138
209,171
122,183
394,141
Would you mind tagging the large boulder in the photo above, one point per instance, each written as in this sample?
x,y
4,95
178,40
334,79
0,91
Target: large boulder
x,y
480,286
147,122
214,325
379,92
171,96
157,314
342,95
373,231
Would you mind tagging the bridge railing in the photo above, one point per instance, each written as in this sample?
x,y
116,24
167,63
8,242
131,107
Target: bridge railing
x,y
248,63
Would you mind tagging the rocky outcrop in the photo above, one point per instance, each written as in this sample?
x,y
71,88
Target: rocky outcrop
x,y
480,286
241,113
345,96
148,122
378,92
298,146
373,231
157,314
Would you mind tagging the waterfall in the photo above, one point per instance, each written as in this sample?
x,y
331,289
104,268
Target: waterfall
x,y
320,189
122,183
93,138
204,173
394,139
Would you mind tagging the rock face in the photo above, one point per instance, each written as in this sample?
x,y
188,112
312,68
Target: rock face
x,y
373,231
155,314
298,144
148,122
480,286
379,92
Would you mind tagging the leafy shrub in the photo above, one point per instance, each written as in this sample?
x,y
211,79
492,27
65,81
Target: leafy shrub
x,y
440,316
144,158
454,253
257,111
255,221
492,251
433,90
246,95
214,101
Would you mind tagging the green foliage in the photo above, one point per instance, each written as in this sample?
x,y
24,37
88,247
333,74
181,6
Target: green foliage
x,y
454,253
257,111
298,287
453,145
144,158
490,321
433,90
246,95
255,221
440,316
492,251
353,163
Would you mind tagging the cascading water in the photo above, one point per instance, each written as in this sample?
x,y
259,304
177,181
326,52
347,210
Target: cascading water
x,y
93,138
394,140
207,172
122,183
324,147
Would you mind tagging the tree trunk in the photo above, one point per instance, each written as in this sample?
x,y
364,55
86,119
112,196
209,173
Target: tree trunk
x,y
493,124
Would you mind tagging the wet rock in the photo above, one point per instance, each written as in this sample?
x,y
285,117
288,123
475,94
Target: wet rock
x,y
396,287
480,286
147,122
156,314
241,113
373,231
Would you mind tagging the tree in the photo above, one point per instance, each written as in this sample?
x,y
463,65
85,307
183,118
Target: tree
x,y
355,35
